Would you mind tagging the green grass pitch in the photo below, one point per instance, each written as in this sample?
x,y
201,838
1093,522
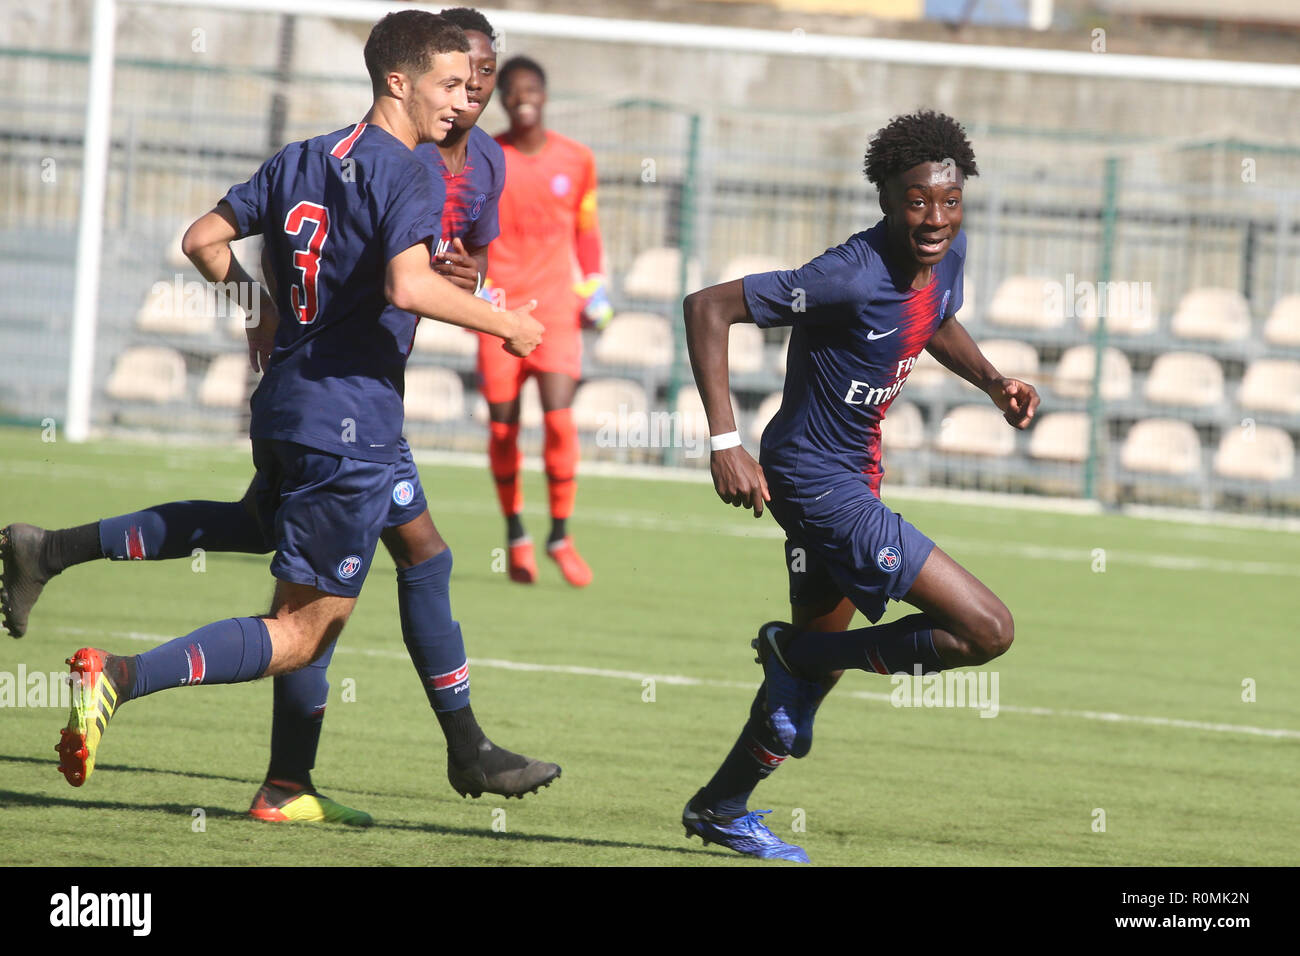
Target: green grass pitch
x,y
1123,692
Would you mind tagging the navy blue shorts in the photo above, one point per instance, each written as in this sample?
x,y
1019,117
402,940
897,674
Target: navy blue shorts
x,y
408,494
842,541
323,512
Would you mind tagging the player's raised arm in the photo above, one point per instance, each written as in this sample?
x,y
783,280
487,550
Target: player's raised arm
x,y
953,347
411,285
207,244
709,314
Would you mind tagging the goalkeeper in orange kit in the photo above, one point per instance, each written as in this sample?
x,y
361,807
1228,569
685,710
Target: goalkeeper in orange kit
x,y
548,250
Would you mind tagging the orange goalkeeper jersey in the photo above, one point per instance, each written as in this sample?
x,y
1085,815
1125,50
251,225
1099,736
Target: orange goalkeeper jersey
x,y
549,238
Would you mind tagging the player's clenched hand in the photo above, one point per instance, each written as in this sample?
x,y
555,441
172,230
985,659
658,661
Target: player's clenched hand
x,y
739,479
1017,400
528,332
457,266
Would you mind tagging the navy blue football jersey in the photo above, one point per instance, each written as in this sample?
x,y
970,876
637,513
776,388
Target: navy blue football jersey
x,y
469,211
334,210
857,329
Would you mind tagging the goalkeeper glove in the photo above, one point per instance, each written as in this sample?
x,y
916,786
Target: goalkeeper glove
x,y
596,307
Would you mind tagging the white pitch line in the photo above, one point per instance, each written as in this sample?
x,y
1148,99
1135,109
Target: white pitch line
x,y
681,680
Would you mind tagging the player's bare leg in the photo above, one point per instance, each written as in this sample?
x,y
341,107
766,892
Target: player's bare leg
x,y
973,625
561,459
505,459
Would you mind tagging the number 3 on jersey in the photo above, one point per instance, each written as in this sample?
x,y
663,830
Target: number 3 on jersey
x,y
303,293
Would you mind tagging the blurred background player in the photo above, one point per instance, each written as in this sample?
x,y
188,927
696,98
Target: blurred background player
x,y
549,250
422,557
861,313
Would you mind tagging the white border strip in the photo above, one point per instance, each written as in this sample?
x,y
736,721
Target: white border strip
x,y
780,43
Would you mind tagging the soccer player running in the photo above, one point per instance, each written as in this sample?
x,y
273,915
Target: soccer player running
x,y
860,314
327,416
549,251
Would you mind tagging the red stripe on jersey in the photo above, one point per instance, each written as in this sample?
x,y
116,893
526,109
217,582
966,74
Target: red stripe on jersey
x,y
344,146
451,678
873,656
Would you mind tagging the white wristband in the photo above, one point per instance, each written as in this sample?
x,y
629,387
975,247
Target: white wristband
x,y
724,441
478,286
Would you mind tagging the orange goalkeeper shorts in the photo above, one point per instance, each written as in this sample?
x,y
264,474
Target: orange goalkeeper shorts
x,y
501,374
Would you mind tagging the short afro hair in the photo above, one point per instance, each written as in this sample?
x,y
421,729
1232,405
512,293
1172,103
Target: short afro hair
x,y
921,137
406,42
467,18
514,65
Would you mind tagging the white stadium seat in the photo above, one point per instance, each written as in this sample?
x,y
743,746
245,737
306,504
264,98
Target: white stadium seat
x,y
1257,453
784,353
148,374
1013,359
738,267
1271,385
1074,373
1190,379
1131,308
597,403
975,430
434,395
1022,302
184,308
636,339
903,428
654,275
1166,446
967,310
745,349
442,338
1062,436
766,411
927,373
1283,325
691,407
1210,313
225,384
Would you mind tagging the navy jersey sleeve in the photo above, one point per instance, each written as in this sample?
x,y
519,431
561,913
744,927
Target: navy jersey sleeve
x,y
249,200
486,227
830,288
414,212
959,280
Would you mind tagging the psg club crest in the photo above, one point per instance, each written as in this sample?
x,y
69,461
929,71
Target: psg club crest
x,y
888,559
477,208
349,566
560,184
403,492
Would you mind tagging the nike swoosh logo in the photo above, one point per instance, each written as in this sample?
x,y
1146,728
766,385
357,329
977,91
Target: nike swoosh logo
x,y
872,336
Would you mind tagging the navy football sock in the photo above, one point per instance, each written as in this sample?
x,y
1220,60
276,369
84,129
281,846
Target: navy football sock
x,y
174,530
62,549
432,638
884,649
296,717
753,758
227,652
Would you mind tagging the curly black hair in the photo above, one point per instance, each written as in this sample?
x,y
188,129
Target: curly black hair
x,y
406,42
467,18
921,137
515,64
